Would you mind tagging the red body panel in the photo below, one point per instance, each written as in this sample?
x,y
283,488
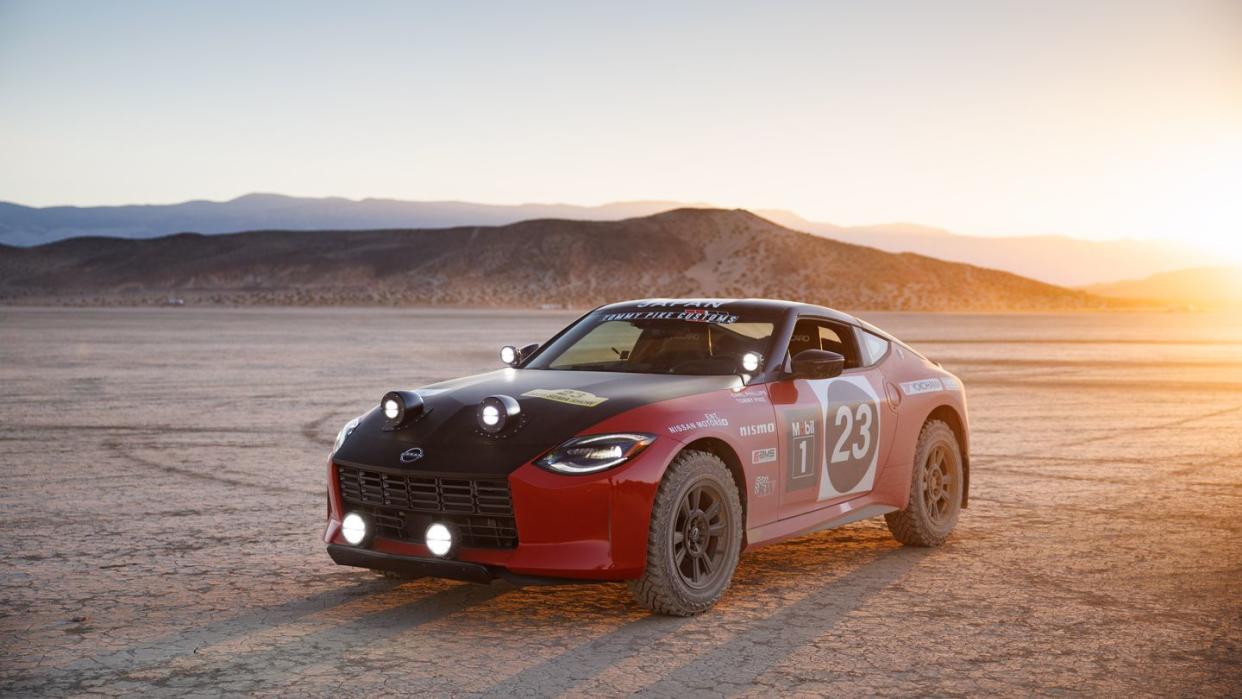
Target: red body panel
x,y
596,526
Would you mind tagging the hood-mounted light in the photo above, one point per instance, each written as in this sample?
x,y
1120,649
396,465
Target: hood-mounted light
x,y
400,408
496,413
513,356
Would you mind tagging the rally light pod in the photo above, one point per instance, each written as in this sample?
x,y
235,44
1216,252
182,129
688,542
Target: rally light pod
x,y
509,355
750,362
514,357
400,408
495,413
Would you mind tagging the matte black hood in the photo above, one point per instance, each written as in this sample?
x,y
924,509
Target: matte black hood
x,y
453,444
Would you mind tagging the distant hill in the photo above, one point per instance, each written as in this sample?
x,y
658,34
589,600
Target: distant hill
x,y
1055,259
1206,287
1051,258
685,252
25,225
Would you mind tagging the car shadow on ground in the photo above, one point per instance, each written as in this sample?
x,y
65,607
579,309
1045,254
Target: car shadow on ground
x,y
791,593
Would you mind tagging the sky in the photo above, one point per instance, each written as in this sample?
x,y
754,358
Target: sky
x,y
1093,119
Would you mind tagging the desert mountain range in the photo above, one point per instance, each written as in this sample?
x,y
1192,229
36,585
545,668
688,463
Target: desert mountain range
x,y
1209,287
1055,259
569,263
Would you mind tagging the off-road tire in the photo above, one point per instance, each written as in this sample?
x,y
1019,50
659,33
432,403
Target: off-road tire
x,y
922,524
663,587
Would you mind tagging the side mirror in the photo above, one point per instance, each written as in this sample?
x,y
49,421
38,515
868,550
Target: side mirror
x,y
817,364
513,356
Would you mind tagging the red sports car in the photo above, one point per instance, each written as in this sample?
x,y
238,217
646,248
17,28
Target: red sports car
x,y
652,442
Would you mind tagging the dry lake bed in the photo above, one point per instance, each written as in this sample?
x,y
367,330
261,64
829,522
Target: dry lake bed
x,y
162,498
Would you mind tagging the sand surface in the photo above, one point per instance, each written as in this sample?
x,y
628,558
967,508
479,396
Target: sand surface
x,y
161,504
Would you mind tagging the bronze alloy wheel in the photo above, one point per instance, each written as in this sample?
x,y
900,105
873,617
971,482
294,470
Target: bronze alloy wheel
x,y
942,484
936,483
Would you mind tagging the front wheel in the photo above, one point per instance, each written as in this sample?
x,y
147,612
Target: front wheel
x,y
694,540
935,489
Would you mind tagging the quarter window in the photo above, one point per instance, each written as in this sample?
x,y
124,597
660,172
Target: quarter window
x,y
874,347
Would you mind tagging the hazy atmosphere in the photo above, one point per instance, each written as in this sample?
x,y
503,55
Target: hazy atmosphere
x,y
703,349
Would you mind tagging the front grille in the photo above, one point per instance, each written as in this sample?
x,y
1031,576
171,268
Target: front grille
x,y
403,505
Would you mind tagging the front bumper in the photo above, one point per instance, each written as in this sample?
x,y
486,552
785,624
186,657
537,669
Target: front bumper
x,y
436,567
579,528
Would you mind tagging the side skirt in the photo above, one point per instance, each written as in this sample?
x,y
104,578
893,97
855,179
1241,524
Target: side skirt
x,y
812,521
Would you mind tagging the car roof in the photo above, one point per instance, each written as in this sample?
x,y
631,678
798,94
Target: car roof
x,y
773,306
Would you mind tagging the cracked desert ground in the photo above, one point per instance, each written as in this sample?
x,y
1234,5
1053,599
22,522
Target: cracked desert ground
x,y
161,492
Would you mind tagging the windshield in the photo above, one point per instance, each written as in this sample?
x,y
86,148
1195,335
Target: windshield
x,y
689,342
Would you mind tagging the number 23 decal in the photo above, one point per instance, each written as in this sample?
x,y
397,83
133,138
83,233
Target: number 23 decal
x,y
846,418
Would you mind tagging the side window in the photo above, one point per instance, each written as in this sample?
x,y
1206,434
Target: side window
x,y
813,333
874,347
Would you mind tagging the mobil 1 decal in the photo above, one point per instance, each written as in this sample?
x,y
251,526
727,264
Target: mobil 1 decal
x,y
851,435
804,429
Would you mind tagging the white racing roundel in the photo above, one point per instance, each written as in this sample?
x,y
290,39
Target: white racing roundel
x,y
851,435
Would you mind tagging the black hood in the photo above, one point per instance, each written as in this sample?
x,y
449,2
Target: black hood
x,y
453,444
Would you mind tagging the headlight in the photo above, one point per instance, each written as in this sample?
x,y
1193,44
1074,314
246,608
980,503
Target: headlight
x,y
595,452
345,432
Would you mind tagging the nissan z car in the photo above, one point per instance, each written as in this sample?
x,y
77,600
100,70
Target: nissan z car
x,y
653,442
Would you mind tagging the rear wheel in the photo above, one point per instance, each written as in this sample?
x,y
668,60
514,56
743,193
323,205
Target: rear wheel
x,y
935,489
694,539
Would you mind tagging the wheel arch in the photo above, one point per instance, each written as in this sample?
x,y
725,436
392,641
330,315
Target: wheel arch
x,y
723,451
948,414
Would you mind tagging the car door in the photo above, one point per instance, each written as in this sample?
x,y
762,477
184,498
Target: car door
x,y
831,431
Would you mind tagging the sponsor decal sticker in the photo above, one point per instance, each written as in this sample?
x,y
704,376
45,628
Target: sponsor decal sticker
x,y
698,315
763,456
951,384
701,303
709,420
763,486
571,396
756,430
913,388
751,395
803,444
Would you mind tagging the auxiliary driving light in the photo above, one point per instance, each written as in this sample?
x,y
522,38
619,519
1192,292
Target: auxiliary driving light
x,y
496,412
439,539
751,361
354,528
509,355
400,407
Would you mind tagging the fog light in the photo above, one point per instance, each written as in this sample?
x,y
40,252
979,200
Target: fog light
x,y
354,528
439,539
391,409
